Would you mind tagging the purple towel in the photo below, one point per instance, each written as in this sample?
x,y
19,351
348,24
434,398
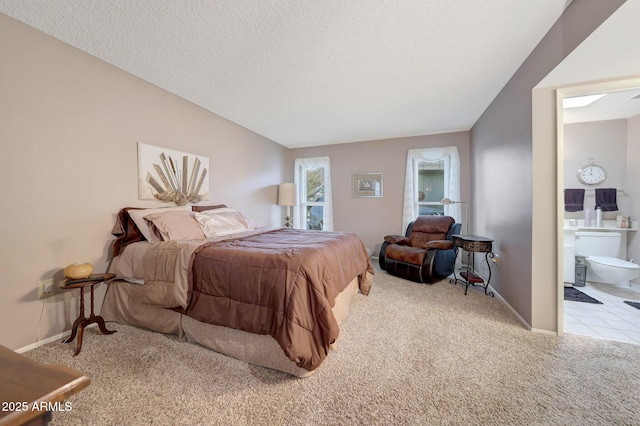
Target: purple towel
x,y
573,200
606,198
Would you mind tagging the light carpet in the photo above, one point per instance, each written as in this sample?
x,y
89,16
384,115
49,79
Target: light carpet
x,y
407,354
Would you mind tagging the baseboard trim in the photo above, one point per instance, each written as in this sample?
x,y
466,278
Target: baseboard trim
x,y
515,313
43,342
545,332
523,322
526,324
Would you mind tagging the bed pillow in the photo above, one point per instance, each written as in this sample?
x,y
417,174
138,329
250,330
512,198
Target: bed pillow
x,y
125,231
219,222
175,225
138,218
204,208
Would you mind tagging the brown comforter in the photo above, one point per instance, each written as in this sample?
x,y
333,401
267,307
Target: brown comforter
x,y
282,283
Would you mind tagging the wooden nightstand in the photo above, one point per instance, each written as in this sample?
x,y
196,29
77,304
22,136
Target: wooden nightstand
x,y
81,322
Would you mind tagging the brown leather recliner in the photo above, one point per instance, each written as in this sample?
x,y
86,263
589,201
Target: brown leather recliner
x,y
425,254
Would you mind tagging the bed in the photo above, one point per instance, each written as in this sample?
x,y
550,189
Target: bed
x,y
268,296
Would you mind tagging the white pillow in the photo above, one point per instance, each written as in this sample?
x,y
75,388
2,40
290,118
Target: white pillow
x,y
219,222
138,219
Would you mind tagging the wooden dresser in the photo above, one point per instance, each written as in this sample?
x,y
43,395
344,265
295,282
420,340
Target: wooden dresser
x,y
30,391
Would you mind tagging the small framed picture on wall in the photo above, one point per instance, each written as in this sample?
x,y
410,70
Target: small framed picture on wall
x,y
366,185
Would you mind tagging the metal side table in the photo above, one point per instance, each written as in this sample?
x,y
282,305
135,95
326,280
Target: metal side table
x,y
474,244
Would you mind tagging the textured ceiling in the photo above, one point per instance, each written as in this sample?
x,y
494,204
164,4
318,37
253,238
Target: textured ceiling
x,y
305,73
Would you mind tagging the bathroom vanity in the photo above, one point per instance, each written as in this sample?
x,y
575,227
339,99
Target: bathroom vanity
x,y
570,236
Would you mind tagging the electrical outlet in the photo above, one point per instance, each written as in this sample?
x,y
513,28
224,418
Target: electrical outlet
x,y
496,259
45,288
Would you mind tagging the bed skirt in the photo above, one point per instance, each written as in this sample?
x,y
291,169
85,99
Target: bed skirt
x,y
121,305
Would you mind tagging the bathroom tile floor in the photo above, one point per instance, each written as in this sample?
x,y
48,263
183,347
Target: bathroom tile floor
x,y
613,320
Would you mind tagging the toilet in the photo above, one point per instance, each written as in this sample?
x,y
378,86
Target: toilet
x,y
600,250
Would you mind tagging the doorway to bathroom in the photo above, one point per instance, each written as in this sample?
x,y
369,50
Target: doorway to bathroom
x,y
607,133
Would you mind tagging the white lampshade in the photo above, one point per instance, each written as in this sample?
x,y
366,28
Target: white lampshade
x,y
446,201
287,194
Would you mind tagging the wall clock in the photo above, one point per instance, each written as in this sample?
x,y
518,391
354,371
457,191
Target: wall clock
x,y
591,174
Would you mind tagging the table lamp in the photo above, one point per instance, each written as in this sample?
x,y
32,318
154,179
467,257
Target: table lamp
x,y
288,197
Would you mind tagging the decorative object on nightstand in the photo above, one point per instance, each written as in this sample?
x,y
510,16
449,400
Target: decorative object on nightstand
x,y
288,197
78,270
81,322
474,244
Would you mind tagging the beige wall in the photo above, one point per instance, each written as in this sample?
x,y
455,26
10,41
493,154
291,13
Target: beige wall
x,y
605,142
614,144
633,185
514,182
372,218
70,125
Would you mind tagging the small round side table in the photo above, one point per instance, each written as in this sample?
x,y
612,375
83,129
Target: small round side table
x,y
81,322
474,244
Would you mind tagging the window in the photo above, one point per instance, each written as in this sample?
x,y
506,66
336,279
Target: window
x,y
430,187
432,174
314,198
313,177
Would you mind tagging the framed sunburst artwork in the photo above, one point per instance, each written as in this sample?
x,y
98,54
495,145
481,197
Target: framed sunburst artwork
x,y
172,176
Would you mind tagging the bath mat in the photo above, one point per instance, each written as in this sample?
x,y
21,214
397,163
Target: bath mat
x,y
574,295
634,304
